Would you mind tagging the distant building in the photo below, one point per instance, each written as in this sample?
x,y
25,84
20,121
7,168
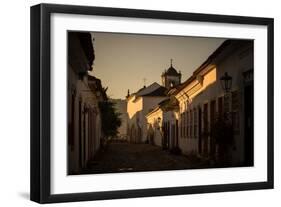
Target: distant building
x,y
154,126
163,124
84,93
145,101
138,105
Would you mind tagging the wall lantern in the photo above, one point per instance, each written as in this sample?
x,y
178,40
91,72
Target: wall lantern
x,y
226,82
159,120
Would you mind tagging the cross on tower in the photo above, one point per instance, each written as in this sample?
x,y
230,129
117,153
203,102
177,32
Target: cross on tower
x,y
171,62
144,81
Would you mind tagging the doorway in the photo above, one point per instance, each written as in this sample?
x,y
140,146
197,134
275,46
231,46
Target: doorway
x,y
199,130
249,125
212,123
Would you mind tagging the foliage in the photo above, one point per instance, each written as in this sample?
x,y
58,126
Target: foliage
x,y
222,131
110,118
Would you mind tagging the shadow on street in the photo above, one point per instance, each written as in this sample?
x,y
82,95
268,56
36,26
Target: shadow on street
x,y
126,157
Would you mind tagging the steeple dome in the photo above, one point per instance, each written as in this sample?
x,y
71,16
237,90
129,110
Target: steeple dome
x,y
170,77
171,70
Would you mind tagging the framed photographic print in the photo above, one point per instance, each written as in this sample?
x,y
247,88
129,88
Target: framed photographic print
x,y
132,103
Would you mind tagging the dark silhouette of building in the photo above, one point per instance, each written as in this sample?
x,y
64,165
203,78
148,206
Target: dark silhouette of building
x,y
171,78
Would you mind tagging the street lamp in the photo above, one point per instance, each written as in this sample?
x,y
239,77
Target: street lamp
x,y
226,82
161,132
159,120
158,123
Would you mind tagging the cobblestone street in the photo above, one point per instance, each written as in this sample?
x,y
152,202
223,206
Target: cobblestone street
x,y
125,157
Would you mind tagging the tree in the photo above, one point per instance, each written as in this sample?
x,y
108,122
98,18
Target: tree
x,y
222,132
110,119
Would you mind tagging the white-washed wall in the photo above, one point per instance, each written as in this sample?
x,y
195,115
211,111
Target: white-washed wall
x,y
81,151
154,123
137,110
234,64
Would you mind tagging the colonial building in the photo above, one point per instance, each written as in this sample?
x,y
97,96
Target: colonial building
x,y
163,124
154,126
138,105
221,86
84,93
150,111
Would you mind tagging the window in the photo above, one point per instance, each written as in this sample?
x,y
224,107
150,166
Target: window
x,y
205,119
195,122
220,106
187,120
191,123
181,124
235,111
212,113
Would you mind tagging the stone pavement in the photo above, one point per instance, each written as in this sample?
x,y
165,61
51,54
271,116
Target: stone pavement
x,y
126,157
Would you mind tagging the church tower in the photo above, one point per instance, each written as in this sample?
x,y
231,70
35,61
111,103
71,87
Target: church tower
x,y
171,78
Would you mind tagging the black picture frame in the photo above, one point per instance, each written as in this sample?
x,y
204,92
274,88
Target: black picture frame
x,y
41,96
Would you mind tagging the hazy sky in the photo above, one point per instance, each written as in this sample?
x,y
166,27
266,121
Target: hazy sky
x,y
124,60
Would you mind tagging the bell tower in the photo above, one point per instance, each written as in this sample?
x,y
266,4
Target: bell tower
x,y
170,77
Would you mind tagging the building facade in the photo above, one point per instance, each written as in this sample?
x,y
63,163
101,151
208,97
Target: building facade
x,y
144,101
138,105
84,93
163,124
202,102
